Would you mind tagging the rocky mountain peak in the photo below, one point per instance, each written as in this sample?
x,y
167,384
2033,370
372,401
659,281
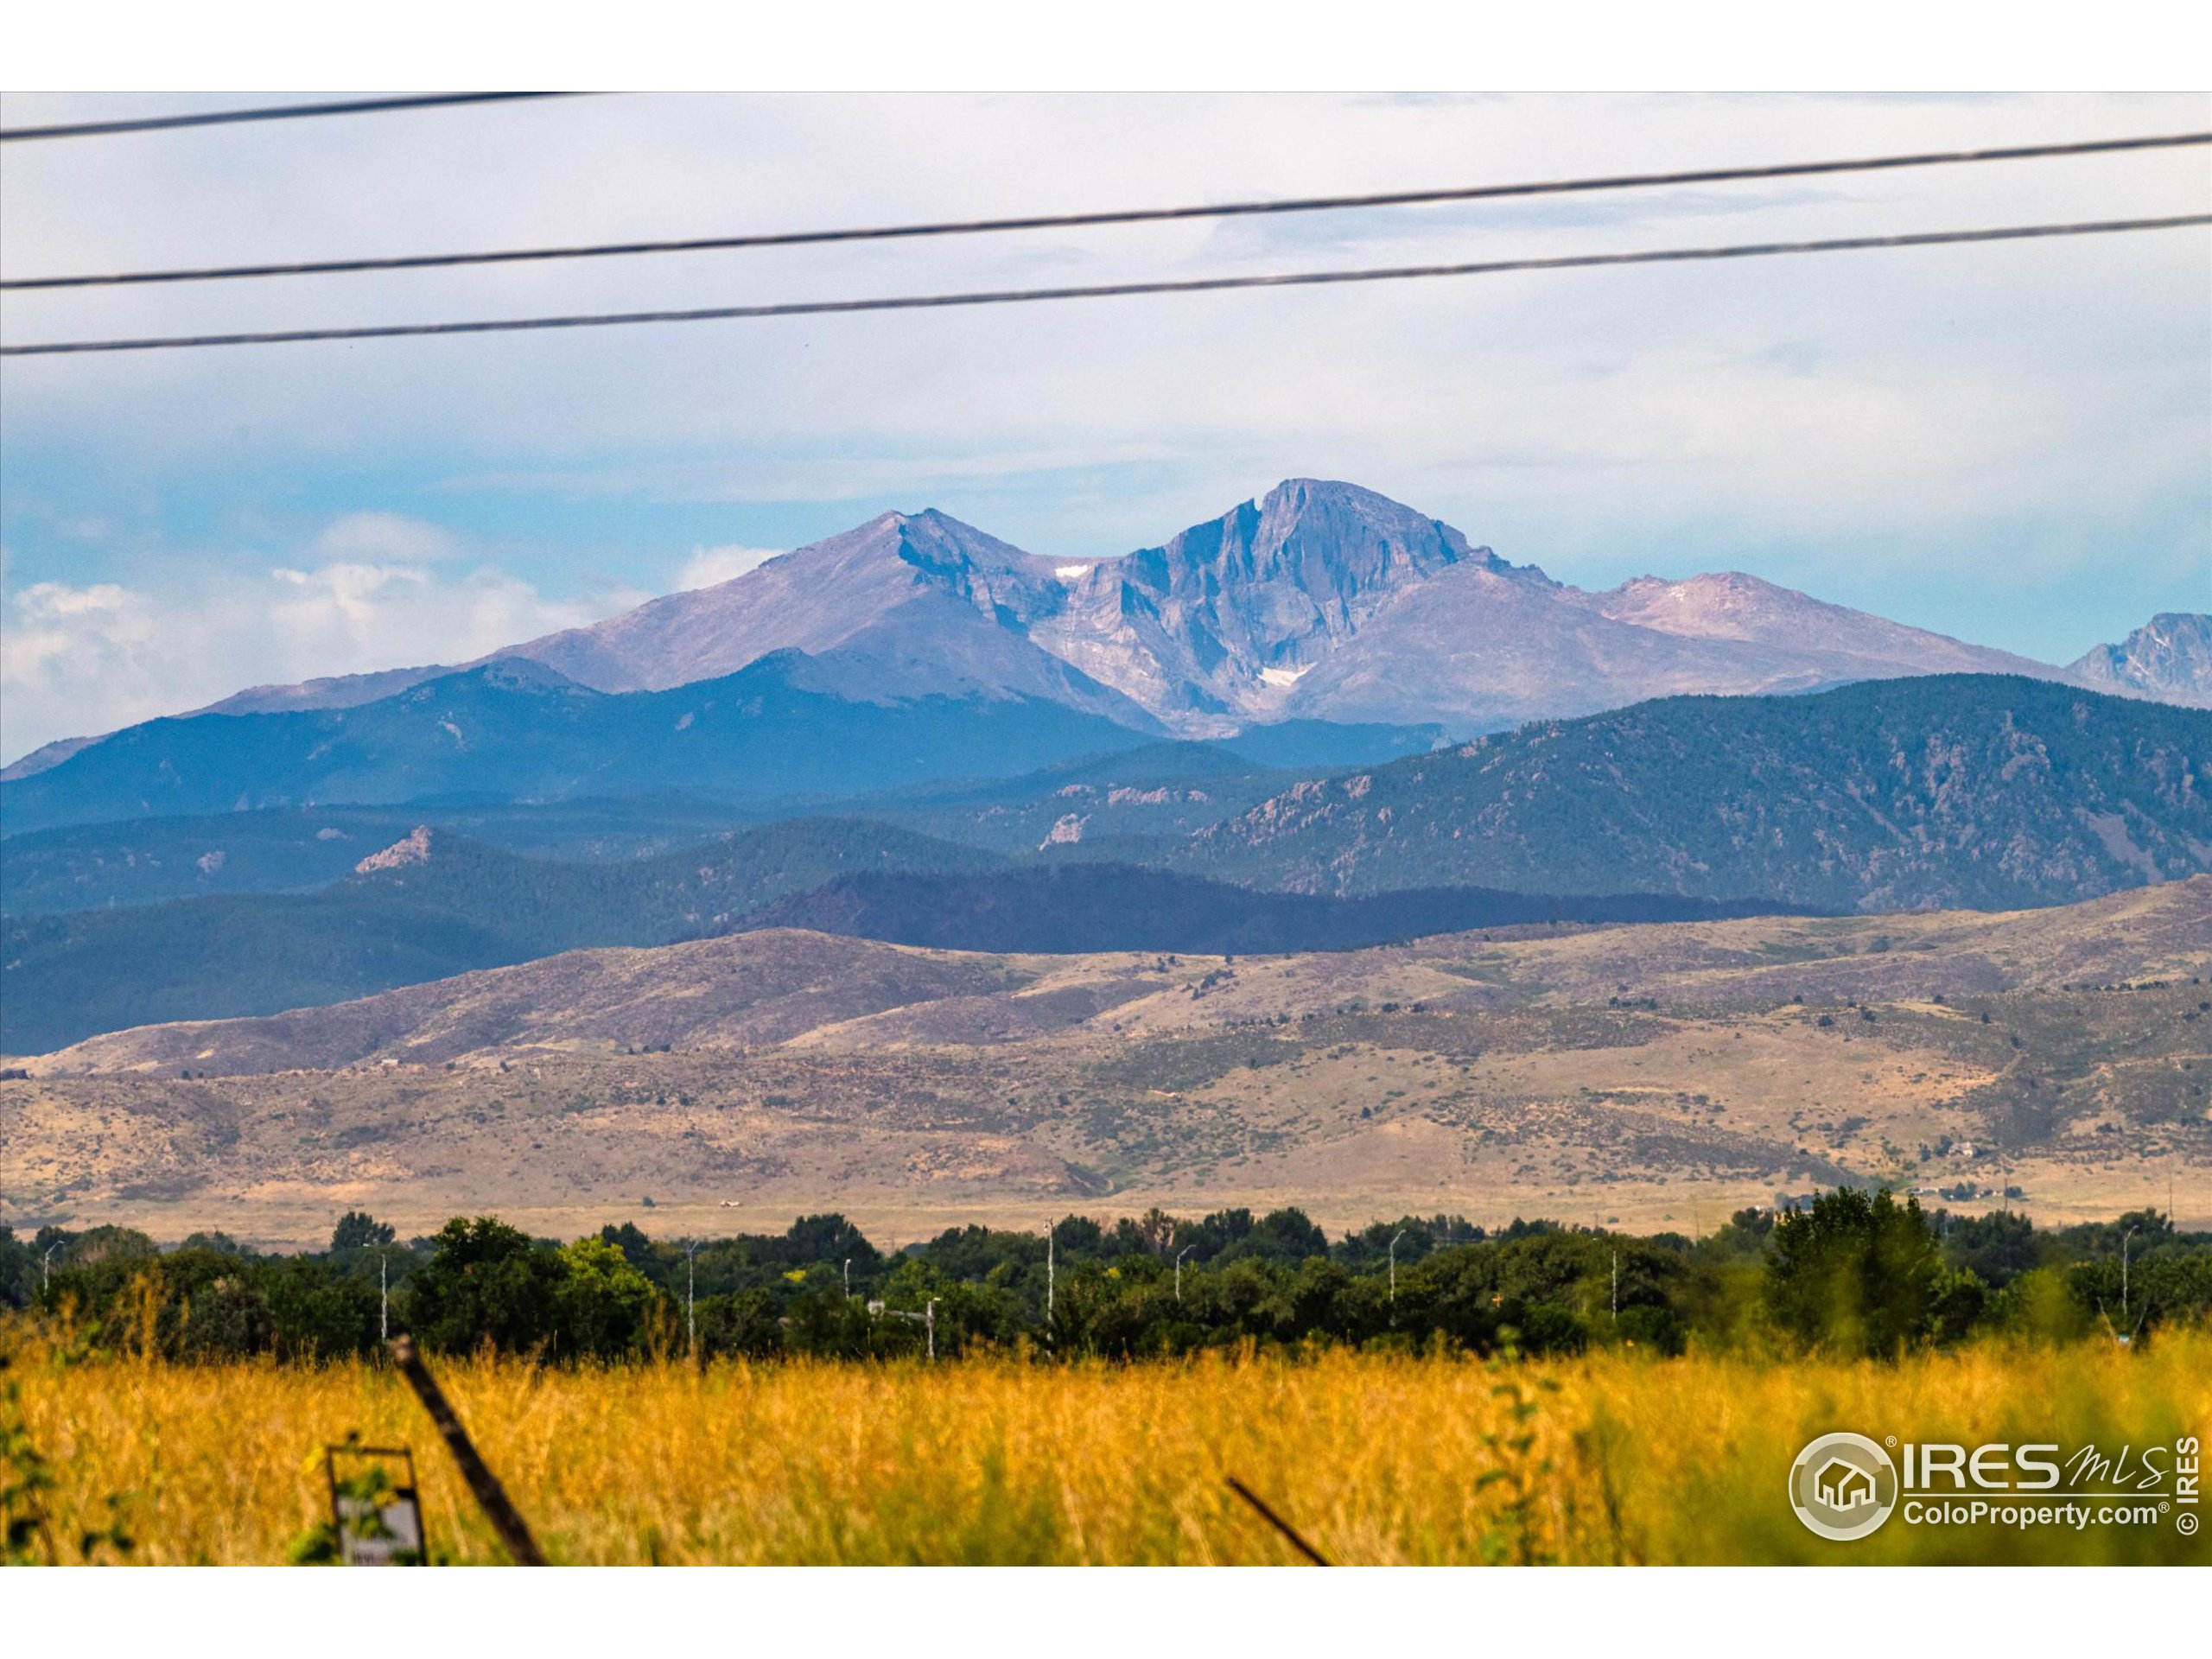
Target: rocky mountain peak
x,y
2169,657
1333,541
1218,624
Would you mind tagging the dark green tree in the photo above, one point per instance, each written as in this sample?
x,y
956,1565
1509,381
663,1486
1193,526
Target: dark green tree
x,y
1851,1274
485,1282
602,1300
19,1269
358,1230
741,1322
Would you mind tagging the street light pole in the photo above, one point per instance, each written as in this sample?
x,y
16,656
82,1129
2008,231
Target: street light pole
x,y
46,1265
848,1278
384,1300
1179,1254
691,1298
926,1317
1048,1274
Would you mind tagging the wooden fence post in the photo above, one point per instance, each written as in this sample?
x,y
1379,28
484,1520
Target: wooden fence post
x,y
490,1497
1276,1521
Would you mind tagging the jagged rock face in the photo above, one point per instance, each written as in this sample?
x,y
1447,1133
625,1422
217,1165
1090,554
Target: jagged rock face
x,y
2170,659
411,849
1226,618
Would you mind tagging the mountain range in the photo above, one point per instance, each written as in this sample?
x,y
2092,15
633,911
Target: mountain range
x,y
1321,721
1321,602
1976,791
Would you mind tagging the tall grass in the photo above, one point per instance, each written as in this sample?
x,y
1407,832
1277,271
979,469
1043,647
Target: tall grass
x,y
1377,1458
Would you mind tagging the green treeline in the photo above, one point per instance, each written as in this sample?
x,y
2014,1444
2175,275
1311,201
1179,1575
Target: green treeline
x,y
1851,1273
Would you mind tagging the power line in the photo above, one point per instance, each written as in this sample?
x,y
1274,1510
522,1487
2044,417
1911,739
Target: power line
x,y
267,112
1111,290
1133,216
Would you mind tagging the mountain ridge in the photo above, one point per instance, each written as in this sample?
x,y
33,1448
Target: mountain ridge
x,y
1319,600
779,727
1945,791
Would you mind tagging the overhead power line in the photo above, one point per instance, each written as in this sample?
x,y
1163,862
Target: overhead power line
x,y
1112,291
1131,216
266,112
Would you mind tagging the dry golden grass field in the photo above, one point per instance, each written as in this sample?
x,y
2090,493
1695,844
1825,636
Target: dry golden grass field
x,y
1378,1459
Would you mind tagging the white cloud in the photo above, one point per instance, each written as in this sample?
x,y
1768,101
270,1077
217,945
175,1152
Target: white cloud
x,y
709,565
82,660
1885,415
385,536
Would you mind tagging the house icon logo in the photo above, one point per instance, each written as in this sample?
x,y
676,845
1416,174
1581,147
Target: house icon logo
x,y
1843,1486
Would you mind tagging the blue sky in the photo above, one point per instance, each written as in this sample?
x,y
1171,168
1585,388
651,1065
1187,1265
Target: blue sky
x,y
2012,445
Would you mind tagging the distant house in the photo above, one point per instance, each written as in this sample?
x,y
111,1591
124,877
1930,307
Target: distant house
x,y
1844,1485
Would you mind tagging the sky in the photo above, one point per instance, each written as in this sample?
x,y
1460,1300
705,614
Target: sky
x,y
2011,444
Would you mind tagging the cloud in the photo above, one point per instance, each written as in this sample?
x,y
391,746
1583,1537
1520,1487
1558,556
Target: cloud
x,y
385,536
82,660
709,565
1867,419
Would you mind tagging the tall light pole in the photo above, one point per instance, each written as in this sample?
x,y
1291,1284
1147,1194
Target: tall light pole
x,y
1048,1274
384,1300
1179,1254
2124,1242
848,1278
1616,1287
46,1265
691,1297
1393,1276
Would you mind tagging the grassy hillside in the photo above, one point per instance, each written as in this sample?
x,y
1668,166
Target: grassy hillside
x,y
1954,790
1644,1076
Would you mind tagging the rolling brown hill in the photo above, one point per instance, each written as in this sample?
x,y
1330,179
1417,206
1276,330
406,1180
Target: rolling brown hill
x,y
1661,1074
